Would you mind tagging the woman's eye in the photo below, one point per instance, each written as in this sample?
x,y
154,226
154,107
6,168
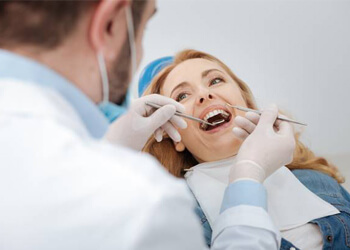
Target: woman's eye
x,y
181,96
216,81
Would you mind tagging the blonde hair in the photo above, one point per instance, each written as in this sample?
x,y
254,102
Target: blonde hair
x,y
175,162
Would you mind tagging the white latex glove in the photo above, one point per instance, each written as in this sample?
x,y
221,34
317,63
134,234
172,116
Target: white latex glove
x,y
135,127
268,145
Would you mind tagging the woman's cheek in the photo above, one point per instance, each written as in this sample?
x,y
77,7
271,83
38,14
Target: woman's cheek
x,y
237,99
231,94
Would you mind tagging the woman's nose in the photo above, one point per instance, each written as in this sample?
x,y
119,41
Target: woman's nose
x,y
205,97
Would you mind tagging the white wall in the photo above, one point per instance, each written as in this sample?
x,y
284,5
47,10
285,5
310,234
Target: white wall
x,y
293,53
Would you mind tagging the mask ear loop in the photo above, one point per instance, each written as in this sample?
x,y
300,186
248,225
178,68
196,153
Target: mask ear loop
x,y
104,77
133,93
131,40
102,64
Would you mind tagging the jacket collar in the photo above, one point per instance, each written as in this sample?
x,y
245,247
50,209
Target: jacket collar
x,y
21,68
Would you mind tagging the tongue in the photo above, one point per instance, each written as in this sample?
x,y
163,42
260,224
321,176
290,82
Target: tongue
x,y
215,126
217,120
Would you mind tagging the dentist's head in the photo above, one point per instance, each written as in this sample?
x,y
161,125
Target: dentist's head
x,y
92,43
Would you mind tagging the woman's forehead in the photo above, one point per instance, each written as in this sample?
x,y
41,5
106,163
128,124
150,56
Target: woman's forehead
x,y
188,71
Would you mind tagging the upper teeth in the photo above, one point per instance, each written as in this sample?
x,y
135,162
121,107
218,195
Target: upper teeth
x,y
214,113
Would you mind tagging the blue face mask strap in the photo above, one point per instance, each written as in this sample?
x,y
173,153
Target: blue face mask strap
x,y
104,77
132,44
111,110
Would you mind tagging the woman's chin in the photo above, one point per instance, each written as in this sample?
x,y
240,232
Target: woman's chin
x,y
219,150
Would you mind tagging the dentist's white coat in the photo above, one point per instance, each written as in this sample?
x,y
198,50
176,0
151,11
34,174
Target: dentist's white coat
x,y
61,189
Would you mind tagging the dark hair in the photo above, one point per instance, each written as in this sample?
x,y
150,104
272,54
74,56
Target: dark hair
x,y
46,23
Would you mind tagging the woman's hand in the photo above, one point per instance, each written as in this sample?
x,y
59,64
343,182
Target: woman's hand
x,y
268,145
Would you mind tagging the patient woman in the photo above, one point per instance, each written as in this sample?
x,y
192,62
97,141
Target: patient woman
x,y
305,201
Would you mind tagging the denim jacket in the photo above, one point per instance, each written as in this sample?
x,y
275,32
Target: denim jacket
x,y
335,228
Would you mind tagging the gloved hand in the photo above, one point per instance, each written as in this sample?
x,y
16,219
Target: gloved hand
x,y
134,128
268,145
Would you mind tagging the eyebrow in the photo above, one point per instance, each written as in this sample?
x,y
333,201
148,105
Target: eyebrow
x,y
206,72
183,84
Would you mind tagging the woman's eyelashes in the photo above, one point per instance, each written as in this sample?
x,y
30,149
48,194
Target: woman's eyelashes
x,y
216,80
181,96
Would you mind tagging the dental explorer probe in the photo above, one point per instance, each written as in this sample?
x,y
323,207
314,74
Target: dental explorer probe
x,y
156,106
259,113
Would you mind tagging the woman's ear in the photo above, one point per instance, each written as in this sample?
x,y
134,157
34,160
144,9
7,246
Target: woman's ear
x,y
179,146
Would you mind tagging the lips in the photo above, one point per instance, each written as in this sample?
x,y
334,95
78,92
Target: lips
x,y
215,114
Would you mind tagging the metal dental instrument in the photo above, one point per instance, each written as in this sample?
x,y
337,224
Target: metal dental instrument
x,y
156,106
259,113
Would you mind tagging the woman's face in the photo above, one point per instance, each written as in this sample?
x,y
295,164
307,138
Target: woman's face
x,y
204,88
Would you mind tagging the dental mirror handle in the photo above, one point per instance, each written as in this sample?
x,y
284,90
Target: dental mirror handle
x,y
259,113
156,106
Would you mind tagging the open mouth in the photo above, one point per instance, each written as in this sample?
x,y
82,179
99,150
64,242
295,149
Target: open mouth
x,y
217,117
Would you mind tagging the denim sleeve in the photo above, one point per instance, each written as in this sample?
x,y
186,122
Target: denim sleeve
x,y
345,193
244,192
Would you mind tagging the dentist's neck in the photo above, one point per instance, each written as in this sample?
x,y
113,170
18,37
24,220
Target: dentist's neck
x,y
74,59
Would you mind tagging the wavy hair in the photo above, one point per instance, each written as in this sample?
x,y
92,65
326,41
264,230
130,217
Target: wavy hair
x,y
175,162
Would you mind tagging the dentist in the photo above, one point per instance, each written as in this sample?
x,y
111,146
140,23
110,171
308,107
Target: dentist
x,y
63,185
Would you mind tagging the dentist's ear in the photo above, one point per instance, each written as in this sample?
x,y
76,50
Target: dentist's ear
x,y
179,146
108,28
